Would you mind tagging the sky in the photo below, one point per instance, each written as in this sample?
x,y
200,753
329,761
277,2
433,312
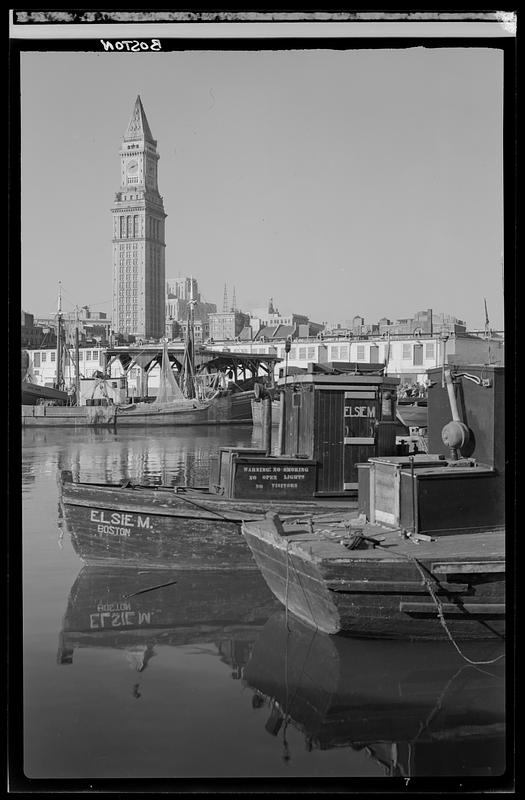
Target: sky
x,y
339,183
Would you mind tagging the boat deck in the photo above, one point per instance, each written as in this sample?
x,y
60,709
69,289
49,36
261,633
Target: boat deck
x,y
349,575
329,540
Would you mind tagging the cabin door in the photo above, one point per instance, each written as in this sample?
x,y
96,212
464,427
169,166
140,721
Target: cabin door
x,y
361,411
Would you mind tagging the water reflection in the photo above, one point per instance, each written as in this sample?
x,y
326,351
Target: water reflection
x,y
167,458
417,708
136,611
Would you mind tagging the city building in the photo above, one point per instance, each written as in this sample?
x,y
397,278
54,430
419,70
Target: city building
x,y
422,322
43,364
138,235
269,323
227,325
178,295
33,335
407,357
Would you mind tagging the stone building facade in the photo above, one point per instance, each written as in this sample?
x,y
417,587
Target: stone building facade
x,y
138,235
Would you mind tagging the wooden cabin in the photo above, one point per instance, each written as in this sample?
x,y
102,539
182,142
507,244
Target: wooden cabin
x,y
329,423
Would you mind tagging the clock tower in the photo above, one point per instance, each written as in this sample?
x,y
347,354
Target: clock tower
x,y
138,235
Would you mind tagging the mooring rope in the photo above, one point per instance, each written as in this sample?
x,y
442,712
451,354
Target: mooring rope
x,y
300,584
420,568
208,510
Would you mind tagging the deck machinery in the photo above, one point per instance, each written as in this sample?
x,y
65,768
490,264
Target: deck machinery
x,y
461,486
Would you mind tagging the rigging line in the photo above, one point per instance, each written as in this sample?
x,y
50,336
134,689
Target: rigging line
x,y
433,595
287,702
204,508
441,615
149,589
300,584
438,704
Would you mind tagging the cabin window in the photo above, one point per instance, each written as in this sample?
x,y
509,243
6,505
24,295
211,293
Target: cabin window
x,y
88,355
343,352
36,359
53,356
430,350
44,357
302,352
296,400
292,352
407,351
360,352
334,353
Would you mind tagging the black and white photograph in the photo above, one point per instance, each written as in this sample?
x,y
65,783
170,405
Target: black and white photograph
x,y
259,511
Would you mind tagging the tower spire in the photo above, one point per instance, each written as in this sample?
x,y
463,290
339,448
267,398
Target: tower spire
x,y
225,300
138,126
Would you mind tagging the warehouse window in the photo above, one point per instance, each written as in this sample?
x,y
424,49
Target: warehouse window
x,y
407,351
360,352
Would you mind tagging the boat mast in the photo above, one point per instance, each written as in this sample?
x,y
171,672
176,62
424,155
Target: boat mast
x,y
59,377
77,361
188,367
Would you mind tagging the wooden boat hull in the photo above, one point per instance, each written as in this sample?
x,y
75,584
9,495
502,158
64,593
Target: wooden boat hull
x,y
341,691
384,591
160,527
119,608
33,392
229,409
41,416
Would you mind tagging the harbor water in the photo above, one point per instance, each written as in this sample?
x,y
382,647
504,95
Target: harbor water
x,y
205,676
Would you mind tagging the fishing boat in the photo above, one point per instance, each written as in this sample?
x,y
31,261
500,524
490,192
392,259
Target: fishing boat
x,y
135,611
314,472
201,395
188,528
416,708
424,555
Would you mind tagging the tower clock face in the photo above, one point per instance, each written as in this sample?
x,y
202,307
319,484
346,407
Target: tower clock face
x,y
133,168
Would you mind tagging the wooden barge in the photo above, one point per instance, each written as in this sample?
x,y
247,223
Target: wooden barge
x,y
425,557
417,707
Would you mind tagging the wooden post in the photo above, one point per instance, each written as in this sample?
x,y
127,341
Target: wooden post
x,y
281,422
267,424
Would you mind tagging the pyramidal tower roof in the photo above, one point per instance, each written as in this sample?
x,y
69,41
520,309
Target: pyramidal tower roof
x,y
138,127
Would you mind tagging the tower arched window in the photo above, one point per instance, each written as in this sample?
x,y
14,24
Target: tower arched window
x,y
129,226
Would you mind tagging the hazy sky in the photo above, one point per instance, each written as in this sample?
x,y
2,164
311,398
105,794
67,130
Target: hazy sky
x,y
337,182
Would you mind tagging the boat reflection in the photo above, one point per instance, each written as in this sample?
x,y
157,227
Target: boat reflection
x,y
419,709
138,610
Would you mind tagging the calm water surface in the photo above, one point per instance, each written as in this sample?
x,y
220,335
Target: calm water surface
x,y
203,678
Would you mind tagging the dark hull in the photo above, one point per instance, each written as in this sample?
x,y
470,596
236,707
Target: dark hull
x,y
33,392
127,608
229,409
340,691
159,527
381,592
